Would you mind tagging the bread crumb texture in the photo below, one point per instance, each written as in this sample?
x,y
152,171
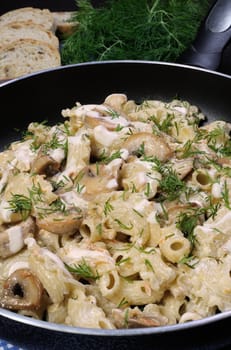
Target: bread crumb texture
x,y
25,56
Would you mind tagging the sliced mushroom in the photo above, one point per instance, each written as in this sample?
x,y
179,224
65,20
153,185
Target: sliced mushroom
x,y
116,101
92,122
143,321
21,291
150,144
60,223
136,319
45,164
97,178
12,238
110,119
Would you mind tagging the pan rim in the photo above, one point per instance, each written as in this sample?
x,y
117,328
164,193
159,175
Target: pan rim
x,y
62,328
111,62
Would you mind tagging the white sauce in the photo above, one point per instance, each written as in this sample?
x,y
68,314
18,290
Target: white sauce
x,y
24,154
5,212
227,246
141,178
224,218
15,235
151,218
216,190
82,110
124,154
72,199
18,265
57,154
140,206
31,243
75,254
112,184
182,110
104,136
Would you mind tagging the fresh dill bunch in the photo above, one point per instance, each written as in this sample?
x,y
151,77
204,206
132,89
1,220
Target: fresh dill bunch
x,y
129,29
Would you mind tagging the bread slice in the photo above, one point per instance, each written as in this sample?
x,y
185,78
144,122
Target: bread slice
x,y
26,30
26,56
34,15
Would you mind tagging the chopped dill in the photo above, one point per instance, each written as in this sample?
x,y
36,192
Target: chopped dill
x,y
149,265
107,159
140,152
189,261
83,270
122,302
107,207
55,143
60,184
147,189
166,124
36,193
171,186
126,318
99,229
138,213
113,114
122,261
186,223
20,204
123,226
225,195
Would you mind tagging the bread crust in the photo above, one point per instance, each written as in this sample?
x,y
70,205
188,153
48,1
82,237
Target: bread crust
x,y
35,15
26,30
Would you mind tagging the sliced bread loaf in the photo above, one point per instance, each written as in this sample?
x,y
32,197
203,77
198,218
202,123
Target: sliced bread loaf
x,y
34,15
26,56
26,30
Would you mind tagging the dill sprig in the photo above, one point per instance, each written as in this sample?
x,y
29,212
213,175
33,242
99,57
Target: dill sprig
x,y
20,204
131,29
83,270
186,223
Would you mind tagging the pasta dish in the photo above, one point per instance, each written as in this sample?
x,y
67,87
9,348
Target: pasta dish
x,y
118,217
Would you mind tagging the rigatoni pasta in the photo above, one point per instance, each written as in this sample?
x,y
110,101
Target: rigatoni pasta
x,y
118,217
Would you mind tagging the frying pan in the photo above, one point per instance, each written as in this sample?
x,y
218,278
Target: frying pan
x,y
42,96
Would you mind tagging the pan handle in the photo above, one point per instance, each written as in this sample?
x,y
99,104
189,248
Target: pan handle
x,y
212,37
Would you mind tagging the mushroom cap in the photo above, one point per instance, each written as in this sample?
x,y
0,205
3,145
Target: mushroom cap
x,y
60,223
21,291
153,145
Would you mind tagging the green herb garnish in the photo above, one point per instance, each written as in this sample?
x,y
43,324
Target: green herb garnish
x,y
131,29
83,270
107,207
20,204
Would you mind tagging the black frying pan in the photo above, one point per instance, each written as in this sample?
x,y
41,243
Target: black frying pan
x,y
42,96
